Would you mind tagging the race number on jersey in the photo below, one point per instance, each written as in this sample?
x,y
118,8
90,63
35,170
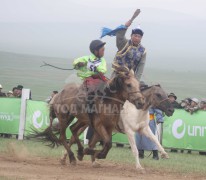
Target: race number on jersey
x,y
92,65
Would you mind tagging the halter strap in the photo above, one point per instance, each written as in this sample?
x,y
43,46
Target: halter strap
x,y
163,101
134,92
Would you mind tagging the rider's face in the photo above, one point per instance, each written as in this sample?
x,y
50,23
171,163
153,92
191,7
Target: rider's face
x,y
136,39
100,52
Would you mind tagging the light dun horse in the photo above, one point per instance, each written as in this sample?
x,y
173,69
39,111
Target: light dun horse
x,y
133,120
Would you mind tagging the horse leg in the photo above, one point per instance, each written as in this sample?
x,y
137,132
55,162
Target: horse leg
x,y
71,142
63,126
106,137
92,143
63,158
147,132
130,134
76,130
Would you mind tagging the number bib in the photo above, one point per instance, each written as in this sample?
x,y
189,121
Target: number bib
x,y
92,65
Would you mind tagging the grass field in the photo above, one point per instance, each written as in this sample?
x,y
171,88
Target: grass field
x,y
186,164
25,69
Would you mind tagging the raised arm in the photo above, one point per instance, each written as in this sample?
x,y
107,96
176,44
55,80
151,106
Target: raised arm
x,y
121,39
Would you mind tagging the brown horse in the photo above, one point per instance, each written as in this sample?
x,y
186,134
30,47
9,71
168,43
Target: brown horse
x,y
133,120
71,103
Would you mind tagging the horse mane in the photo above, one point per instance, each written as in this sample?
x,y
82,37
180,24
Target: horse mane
x,y
115,84
145,87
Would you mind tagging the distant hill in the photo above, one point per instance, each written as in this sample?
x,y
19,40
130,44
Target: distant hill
x,y
25,69
174,40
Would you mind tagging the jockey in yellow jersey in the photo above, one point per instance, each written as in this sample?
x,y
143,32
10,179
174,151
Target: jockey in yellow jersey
x,y
91,66
91,69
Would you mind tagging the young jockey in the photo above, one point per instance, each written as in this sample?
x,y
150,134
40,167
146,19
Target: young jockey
x,y
91,69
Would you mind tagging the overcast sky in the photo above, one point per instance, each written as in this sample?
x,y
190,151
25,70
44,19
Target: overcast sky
x,y
174,29
89,10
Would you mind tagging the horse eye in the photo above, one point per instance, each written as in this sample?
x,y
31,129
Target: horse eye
x,y
159,95
129,85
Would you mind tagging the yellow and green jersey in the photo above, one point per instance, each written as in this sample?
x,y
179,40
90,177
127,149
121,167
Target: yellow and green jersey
x,y
93,65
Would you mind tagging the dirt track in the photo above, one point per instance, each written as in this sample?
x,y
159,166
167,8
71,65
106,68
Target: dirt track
x,y
48,168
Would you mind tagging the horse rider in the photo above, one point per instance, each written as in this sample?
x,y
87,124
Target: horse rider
x,y
131,53
91,70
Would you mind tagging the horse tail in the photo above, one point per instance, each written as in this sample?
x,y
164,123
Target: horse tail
x,y
48,135
52,114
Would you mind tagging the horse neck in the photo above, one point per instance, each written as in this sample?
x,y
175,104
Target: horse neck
x,y
113,91
147,93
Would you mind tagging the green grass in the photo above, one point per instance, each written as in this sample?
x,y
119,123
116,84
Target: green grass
x,y
25,69
178,163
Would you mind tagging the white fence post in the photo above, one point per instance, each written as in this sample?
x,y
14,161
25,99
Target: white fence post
x,y
24,97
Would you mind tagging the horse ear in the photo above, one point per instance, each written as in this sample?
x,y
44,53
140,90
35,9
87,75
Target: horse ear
x,y
120,70
119,83
131,72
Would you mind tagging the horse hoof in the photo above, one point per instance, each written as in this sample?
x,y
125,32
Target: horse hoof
x,y
95,165
80,157
165,156
73,163
62,161
141,169
100,156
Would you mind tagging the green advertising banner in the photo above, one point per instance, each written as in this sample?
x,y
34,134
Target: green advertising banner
x,y
37,117
185,131
181,131
9,115
120,138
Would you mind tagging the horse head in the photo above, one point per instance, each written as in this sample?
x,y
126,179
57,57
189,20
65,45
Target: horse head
x,y
127,85
158,98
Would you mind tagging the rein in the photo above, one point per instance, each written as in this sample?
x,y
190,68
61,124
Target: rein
x,y
148,87
163,101
134,92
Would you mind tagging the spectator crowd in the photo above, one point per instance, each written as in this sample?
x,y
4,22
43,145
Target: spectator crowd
x,y
190,105
15,92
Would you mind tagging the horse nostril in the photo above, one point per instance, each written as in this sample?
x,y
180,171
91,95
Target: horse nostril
x,y
140,103
171,110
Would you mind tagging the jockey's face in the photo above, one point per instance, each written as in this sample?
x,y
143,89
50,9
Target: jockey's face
x,y
100,52
136,39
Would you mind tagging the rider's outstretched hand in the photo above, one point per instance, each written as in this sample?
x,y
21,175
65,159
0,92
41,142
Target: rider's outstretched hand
x,y
78,65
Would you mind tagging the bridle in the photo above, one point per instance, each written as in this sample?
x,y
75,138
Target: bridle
x,y
162,101
139,92
134,92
